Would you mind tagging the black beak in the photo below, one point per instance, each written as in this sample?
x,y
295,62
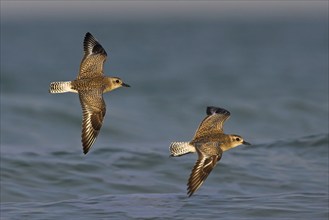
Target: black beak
x,y
125,85
246,143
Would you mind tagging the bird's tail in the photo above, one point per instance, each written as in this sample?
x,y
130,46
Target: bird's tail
x,y
178,149
61,87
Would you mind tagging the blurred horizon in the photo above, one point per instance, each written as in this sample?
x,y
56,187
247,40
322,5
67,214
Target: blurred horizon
x,y
143,10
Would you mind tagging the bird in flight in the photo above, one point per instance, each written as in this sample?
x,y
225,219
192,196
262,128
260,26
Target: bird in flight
x,y
209,142
90,84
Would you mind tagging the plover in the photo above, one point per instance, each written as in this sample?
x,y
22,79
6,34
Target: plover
x,y
209,142
90,84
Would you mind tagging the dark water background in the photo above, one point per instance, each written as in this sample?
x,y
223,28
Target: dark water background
x,y
271,74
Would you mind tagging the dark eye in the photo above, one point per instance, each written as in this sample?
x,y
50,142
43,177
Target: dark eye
x,y
117,81
237,139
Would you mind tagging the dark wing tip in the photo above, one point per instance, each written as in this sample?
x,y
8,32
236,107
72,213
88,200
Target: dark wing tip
x,y
197,177
85,150
88,34
190,191
215,110
87,143
193,184
89,134
88,38
91,45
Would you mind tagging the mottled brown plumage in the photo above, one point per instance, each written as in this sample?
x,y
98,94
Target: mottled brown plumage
x,y
90,84
209,142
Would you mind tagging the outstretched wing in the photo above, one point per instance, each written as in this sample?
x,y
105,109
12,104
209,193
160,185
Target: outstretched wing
x,y
93,112
94,58
213,122
209,155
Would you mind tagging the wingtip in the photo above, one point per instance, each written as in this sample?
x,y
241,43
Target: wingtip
x,y
216,110
91,45
86,146
87,36
189,194
85,151
190,190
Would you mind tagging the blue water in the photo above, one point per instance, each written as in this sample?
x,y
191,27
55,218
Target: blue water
x,y
272,75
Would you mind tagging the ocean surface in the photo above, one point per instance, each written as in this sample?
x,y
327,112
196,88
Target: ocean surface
x,y
272,75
